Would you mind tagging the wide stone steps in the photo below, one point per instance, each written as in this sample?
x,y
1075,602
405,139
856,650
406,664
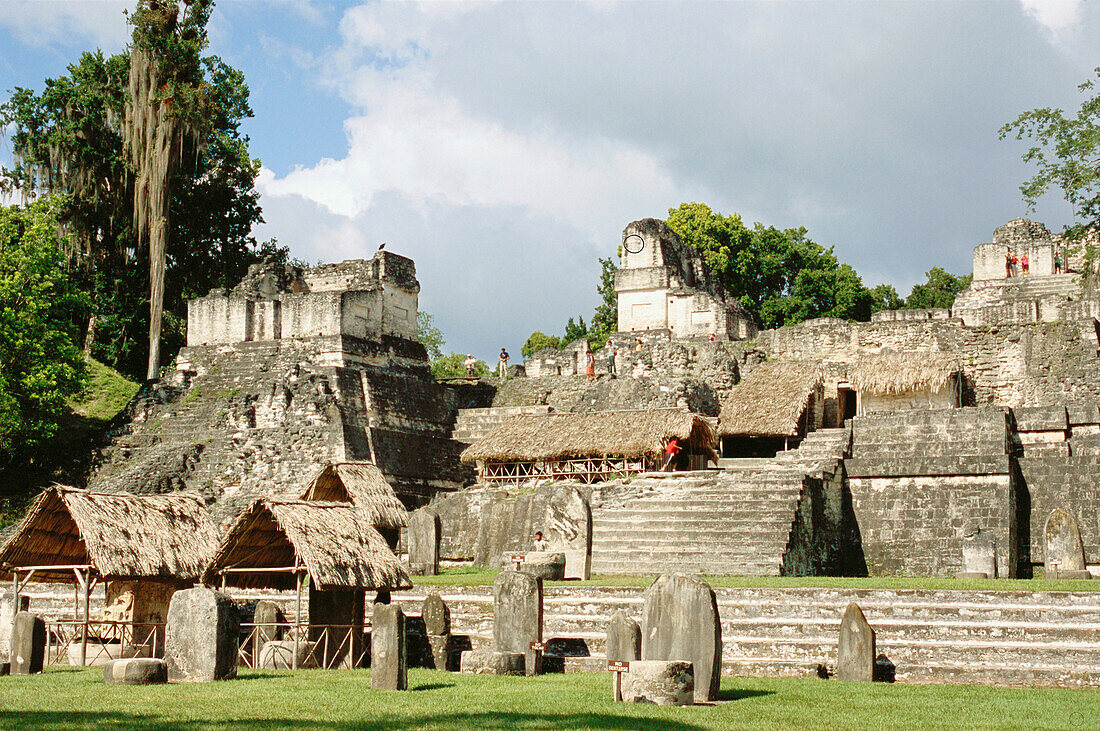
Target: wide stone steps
x,y
473,424
1010,637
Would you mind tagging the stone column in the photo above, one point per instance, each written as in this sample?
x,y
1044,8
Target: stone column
x,y
425,529
680,622
624,642
28,644
388,664
1064,553
437,623
202,635
856,650
517,616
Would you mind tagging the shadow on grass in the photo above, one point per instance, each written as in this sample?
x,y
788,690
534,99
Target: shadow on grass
x,y
68,720
433,686
740,694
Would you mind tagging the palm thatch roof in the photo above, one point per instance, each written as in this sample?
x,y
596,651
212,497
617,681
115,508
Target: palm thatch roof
x,y
334,542
770,400
363,485
624,434
121,536
893,373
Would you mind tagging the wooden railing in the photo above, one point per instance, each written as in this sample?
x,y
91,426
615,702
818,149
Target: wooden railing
x,y
68,644
302,646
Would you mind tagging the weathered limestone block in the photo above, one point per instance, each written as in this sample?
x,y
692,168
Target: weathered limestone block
x,y
979,556
856,650
28,644
680,622
424,531
624,638
568,528
136,671
661,682
436,614
388,665
489,662
1064,556
201,636
517,615
543,564
279,655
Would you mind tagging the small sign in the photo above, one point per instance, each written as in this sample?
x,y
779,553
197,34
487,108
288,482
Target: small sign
x,y
540,646
518,558
1055,562
618,666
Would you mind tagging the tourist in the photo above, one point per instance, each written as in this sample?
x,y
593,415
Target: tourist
x,y
502,363
1015,266
1057,263
710,338
541,544
612,351
637,344
589,366
1008,262
670,449
471,364
1023,264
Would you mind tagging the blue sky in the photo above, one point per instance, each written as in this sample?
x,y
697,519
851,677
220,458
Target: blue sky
x,y
504,146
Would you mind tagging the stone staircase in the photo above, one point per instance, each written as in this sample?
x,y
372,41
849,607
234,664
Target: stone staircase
x,y
473,424
929,636
740,520
1016,300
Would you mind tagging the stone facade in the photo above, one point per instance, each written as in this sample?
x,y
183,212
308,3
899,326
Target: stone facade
x,y
663,284
256,409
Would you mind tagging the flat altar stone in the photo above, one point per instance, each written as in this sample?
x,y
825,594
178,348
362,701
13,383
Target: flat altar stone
x,y
489,662
661,682
136,671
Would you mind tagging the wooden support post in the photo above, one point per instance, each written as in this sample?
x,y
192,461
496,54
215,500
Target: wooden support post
x,y
297,620
85,583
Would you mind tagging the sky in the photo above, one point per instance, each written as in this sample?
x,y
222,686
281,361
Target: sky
x,y
504,146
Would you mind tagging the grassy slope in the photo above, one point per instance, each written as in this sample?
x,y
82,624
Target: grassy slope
x,y
343,699
64,458
463,576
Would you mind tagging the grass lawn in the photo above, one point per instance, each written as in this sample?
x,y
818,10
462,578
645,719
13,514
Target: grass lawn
x,y
333,699
468,576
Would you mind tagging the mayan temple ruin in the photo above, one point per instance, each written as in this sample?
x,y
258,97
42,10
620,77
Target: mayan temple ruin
x,y
960,442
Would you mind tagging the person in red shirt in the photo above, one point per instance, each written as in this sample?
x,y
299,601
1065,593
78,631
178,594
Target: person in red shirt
x,y
670,449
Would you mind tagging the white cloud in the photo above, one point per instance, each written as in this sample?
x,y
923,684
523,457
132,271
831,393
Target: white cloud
x,y
416,141
43,23
1057,16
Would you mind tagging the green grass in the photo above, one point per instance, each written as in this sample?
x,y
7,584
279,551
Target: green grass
x,y
65,456
335,699
470,576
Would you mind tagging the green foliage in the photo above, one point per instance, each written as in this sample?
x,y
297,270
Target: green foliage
x,y
41,363
537,341
68,139
780,276
454,365
574,331
606,318
430,336
885,297
939,291
1066,151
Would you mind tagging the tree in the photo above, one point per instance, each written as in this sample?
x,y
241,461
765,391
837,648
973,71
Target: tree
x,y
41,309
779,275
885,297
939,291
167,118
454,365
69,139
574,331
430,336
605,320
1067,155
537,341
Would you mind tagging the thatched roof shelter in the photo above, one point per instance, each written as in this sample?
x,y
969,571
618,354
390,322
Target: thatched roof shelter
x,y
335,543
629,434
363,485
770,400
121,536
893,373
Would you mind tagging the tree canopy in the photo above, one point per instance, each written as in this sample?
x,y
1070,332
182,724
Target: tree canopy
x,y
41,310
780,276
1066,151
68,139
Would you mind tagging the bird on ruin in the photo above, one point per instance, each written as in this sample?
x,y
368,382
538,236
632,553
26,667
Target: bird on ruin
x,y
382,246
